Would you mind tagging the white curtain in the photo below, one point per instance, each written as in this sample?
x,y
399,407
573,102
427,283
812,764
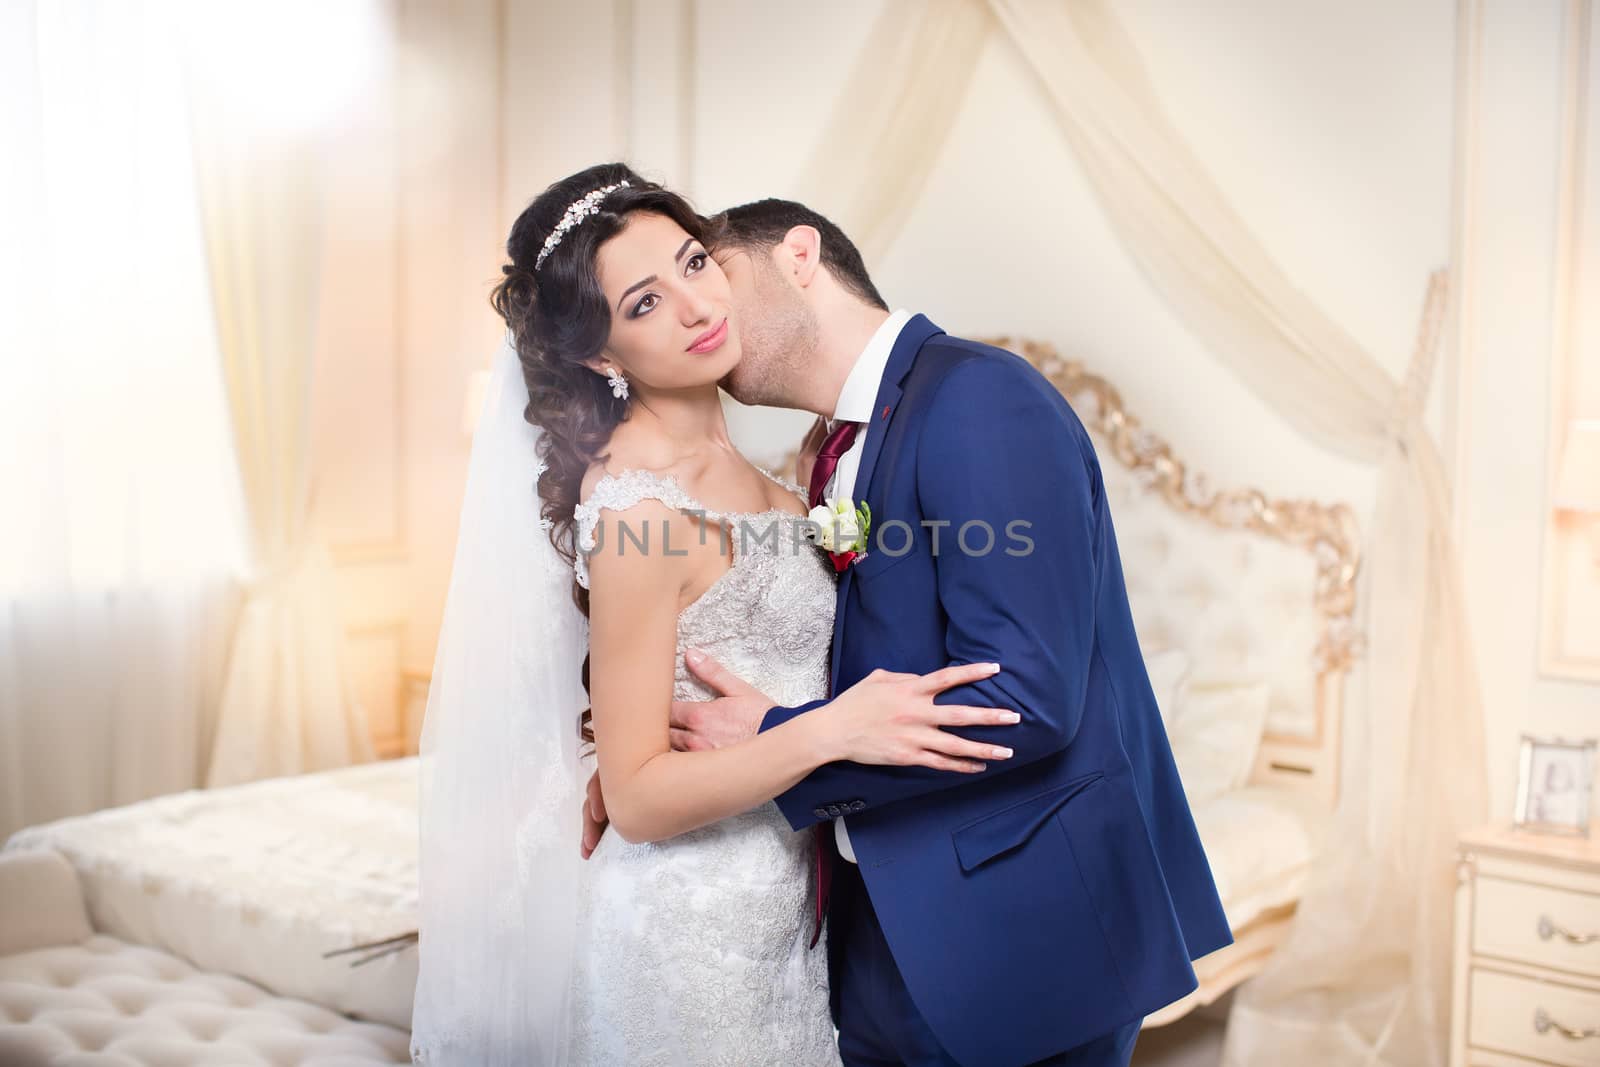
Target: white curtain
x,y
893,116
121,540
1364,977
286,706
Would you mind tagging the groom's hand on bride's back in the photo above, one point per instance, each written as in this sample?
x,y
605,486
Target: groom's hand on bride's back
x,y
695,725
734,716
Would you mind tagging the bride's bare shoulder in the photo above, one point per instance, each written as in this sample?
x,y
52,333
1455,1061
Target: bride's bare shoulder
x,y
616,467
637,512
618,457
624,453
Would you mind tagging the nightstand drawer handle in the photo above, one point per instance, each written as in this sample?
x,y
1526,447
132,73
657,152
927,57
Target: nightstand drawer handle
x,y
1543,1022
1548,929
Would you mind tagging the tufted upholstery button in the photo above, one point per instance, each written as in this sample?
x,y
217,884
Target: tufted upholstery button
x,y
1230,598
109,1003
209,878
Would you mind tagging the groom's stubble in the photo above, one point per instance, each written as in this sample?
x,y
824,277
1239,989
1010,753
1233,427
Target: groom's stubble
x,y
779,337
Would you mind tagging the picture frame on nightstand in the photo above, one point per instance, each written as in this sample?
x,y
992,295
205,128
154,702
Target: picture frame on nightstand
x,y
1554,780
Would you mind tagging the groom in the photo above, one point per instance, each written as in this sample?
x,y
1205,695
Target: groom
x,y
1035,912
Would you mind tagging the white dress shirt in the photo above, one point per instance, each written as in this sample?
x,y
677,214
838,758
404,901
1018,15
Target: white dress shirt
x,y
855,402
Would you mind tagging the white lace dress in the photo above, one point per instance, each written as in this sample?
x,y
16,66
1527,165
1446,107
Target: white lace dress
x,y
693,951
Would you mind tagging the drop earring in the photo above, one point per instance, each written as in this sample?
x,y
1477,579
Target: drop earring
x,y
619,384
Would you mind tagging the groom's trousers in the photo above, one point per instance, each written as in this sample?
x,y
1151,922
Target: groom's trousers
x,y
879,1026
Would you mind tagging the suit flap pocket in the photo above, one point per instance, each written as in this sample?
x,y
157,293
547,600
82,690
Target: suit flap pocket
x,y
981,841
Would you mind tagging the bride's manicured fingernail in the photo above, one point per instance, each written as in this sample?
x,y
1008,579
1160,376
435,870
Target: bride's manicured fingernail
x,y
693,656
1001,753
1011,716
992,668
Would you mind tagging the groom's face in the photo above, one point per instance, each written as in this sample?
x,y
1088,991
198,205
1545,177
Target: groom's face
x,y
777,328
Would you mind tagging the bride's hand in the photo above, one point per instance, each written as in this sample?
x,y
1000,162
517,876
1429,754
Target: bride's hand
x,y
890,718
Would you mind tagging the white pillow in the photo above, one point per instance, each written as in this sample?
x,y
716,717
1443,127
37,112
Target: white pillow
x,y
1167,669
1259,841
1215,732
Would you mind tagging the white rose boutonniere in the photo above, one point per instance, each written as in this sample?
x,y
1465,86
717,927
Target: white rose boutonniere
x,y
840,527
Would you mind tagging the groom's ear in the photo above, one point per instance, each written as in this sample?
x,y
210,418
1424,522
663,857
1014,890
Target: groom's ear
x,y
801,252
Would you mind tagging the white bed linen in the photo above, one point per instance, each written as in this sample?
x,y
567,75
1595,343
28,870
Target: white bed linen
x,y
258,880
1260,840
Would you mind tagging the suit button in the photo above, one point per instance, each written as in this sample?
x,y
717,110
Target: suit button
x,y
821,813
833,809
858,805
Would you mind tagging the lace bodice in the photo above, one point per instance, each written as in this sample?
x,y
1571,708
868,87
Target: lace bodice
x,y
694,950
618,492
769,617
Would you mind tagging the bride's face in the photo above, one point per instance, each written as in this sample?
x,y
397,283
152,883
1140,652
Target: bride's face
x,y
672,323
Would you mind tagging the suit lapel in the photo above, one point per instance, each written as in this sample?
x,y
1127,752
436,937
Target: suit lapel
x,y
916,332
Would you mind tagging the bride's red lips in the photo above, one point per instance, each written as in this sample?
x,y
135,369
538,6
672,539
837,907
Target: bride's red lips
x,y
711,339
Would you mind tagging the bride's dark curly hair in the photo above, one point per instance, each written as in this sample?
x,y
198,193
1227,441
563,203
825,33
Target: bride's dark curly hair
x,y
559,317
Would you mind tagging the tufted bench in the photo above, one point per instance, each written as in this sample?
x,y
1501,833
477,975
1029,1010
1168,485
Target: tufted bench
x,y
70,996
260,879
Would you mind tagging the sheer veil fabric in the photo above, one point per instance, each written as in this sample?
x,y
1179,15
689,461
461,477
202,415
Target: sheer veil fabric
x,y
501,779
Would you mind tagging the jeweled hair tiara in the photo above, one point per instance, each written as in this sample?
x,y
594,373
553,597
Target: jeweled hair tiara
x,y
580,210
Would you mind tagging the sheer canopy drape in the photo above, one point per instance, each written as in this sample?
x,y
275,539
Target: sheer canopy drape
x,y
286,707
1364,975
122,541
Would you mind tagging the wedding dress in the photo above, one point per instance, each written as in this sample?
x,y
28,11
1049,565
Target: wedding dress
x,y
693,950
687,951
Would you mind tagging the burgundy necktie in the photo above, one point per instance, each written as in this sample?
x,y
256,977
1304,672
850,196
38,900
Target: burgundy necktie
x,y
836,444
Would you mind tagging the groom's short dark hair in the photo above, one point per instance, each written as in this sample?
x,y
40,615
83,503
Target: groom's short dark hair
x,y
760,225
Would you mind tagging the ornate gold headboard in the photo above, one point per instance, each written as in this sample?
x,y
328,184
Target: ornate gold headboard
x,y
1328,533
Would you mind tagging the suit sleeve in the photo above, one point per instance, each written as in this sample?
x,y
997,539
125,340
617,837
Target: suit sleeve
x,y
997,450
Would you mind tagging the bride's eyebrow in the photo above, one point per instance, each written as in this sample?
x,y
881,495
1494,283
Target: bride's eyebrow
x,y
636,286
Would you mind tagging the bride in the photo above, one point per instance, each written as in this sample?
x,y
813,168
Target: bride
x,y
610,526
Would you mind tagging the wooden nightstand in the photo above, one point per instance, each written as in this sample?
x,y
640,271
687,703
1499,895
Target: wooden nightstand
x,y
1527,950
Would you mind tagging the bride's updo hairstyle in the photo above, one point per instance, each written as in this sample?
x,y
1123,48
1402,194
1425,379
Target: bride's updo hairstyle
x,y
559,317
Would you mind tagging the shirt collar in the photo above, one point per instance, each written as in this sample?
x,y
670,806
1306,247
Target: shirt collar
x,y
860,389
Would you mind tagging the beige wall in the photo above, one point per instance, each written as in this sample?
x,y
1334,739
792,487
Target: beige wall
x,y
1368,143
412,252
1522,243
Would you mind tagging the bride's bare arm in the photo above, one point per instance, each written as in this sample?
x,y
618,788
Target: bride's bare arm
x,y
652,792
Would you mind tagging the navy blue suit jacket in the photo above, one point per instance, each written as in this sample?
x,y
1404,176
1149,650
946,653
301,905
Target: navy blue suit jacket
x,y
1063,892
